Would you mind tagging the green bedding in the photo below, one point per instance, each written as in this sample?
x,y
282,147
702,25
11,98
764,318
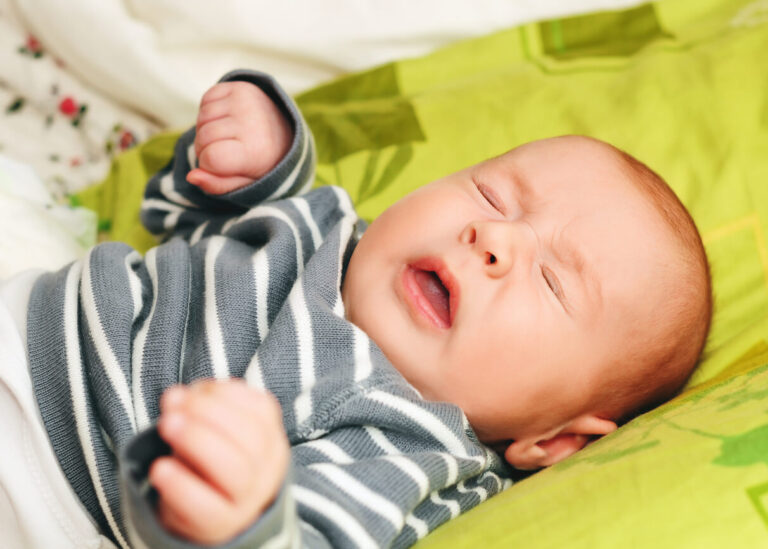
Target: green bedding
x,y
682,85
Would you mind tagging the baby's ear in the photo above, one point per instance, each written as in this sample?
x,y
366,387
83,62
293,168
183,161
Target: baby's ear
x,y
549,448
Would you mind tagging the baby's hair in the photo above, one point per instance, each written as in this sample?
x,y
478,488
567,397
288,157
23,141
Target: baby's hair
x,y
657,369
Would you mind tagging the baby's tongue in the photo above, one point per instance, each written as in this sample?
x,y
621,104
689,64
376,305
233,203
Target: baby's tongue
x,y
436,294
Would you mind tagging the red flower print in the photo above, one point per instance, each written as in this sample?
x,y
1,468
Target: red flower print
x,y
33,44
32,47
75,161
68,107
127,140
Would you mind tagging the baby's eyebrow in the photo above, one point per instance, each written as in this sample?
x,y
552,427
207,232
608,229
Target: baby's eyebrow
x,y
526,189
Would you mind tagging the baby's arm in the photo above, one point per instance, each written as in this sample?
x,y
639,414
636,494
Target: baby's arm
x,y
229,461
250,145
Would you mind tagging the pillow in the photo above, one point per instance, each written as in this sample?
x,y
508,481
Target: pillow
x,y
680,84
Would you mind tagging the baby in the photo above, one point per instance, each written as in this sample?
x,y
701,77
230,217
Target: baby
x,y
529,303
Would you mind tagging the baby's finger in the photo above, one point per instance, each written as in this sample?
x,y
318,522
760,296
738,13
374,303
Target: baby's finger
x,y
212,455
216,130
213,110
213,184
237,391
196,508
173,397
248,418
226,157
216,92
171,520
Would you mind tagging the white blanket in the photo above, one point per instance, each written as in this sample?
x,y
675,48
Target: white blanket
x,y
37,233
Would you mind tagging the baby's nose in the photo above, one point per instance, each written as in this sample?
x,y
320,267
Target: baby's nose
x,y
500,244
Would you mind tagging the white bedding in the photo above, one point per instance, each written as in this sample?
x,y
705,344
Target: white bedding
x,y
37,232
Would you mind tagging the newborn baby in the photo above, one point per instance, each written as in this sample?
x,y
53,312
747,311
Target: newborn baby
x,y
529,303
550,292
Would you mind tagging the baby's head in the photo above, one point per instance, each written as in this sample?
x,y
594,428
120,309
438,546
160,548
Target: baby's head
x,y
551,292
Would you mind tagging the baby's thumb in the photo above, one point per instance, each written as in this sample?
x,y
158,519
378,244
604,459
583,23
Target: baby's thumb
x,y
213,184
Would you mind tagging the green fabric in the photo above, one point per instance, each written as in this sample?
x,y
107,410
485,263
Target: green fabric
x,y
682,85
117,199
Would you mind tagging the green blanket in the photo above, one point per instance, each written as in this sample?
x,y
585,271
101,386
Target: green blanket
x,y
682,85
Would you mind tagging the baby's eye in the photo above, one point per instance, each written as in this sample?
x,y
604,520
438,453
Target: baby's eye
x,y
491,197
552,282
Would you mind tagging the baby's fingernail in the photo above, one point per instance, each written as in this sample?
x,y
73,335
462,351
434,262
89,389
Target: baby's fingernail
x,y
171,424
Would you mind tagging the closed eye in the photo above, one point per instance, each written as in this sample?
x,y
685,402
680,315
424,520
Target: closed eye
x,y
553,283
491,197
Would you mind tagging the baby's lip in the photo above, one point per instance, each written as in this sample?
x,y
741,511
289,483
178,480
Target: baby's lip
x,y
439,268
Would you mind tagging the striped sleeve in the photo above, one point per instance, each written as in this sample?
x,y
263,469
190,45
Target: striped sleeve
x,y
173,207
391,482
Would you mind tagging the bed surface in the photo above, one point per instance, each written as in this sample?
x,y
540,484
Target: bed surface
x,y
683,86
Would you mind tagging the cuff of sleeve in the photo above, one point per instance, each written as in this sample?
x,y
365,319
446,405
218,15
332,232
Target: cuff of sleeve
x,y
139,500
292,172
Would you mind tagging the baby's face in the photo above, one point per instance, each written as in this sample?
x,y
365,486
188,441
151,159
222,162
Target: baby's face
x,y
509,287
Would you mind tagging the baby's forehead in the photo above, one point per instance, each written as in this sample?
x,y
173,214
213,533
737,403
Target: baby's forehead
x,y
577,172
574,152
577,144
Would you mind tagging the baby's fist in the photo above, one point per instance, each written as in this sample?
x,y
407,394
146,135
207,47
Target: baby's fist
x,y
240,136
230,457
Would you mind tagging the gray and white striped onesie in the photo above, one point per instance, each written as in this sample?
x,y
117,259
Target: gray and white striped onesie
x,y
246,285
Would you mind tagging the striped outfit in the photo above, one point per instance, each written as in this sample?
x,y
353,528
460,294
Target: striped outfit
x,y
247,284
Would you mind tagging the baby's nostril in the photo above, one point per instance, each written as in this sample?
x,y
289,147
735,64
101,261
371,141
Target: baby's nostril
x,y
491,259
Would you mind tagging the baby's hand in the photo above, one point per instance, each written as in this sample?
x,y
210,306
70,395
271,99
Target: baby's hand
x,y
230,456
240,136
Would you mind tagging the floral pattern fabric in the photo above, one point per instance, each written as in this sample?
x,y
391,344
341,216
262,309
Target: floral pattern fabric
x,y
66,130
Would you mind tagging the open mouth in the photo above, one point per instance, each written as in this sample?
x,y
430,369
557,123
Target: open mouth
x,y
433,291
